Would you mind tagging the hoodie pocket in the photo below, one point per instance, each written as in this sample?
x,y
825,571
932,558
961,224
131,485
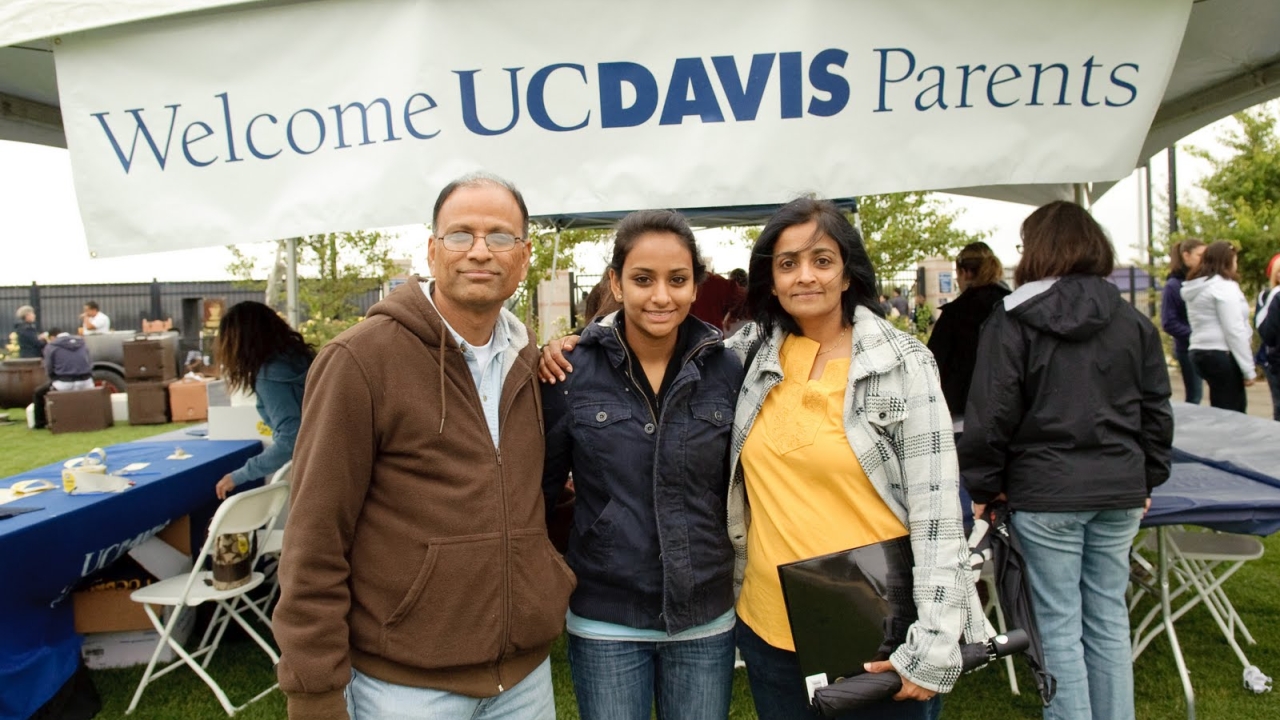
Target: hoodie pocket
x,y
451,615
541,583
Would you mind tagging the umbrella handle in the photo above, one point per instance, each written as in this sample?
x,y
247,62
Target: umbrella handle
x,y
856,692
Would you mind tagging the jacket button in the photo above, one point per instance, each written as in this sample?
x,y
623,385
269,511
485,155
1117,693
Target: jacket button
x,y
882,415
649,428
719,415
602,416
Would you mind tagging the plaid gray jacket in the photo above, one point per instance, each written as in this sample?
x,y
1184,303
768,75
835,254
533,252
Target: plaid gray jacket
x,y
899,428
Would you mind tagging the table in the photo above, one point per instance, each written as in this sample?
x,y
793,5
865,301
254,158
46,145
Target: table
x,y
43,554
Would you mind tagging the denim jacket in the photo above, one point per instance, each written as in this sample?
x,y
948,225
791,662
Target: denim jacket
x,y
279,389
899,427
648,543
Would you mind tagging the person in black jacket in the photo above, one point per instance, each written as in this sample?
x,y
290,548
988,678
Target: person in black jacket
x,y
1267,319
31,341
954,341
644,424
1184,258
1069,420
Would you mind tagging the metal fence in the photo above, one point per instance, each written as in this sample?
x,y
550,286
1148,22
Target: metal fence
x,y
128,304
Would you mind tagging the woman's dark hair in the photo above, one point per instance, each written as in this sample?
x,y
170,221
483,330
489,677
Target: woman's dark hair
x,y
764,306
632,227
1060,239
1176,264
1217,260
251,334
981,263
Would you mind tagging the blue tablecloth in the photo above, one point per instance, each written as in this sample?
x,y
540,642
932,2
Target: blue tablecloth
x,y
1199,494
43,554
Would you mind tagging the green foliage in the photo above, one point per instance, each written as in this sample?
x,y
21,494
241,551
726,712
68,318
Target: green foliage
x,y
333,269
923,320
901,229
1243,193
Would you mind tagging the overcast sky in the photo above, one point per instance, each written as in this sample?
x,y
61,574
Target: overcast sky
x,y
42,237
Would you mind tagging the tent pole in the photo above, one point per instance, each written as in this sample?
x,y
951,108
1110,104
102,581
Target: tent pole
x,y
291,283
1081,194
555,253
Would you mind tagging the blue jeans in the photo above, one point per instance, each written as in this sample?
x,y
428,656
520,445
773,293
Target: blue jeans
x,y
778,689
1078,565
618,680
530,699
1192,383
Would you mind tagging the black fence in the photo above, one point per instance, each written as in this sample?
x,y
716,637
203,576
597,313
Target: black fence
x,y
128,304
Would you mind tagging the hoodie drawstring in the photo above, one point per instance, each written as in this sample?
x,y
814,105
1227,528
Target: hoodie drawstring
x,y
443,397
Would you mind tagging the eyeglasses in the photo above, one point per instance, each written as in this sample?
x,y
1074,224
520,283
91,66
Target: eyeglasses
x,y
464,241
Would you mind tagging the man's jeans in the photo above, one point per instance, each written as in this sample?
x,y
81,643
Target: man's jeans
x,y
618,680
1078,565
530,699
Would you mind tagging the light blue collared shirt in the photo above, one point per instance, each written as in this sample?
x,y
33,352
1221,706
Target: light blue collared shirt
x,y
485,364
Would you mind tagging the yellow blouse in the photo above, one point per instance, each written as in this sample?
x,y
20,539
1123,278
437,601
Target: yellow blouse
x,y
808,494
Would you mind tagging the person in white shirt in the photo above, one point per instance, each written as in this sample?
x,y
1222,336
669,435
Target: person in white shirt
x,y
93,319
1221,336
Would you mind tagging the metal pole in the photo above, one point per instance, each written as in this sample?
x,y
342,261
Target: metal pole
x,y
1173,189
555,253
1080,192
1144,221
291,283
1166,611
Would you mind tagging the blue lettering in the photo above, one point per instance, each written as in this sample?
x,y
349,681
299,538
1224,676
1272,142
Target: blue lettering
x,y
612,76
470,118
791,85
744,98
339,110
537,100
248,137
690,74
884,72
993,81
1089,65
289,131
938,87
823,80
1133,91
231,137
409,113
188,141
1062,87
964,84
141,128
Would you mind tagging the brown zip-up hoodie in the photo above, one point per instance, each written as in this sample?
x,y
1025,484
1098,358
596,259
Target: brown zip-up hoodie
x,y
415,550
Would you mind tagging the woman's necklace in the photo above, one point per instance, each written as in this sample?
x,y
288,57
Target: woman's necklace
x,y
834,345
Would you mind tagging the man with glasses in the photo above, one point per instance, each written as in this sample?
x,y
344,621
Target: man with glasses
x,y
417,577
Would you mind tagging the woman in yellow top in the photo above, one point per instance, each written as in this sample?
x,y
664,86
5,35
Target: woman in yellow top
x,y
841,438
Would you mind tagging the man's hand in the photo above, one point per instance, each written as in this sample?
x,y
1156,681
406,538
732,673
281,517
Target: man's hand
x,y
1249,382
1146,507
224,487
553,365
909,691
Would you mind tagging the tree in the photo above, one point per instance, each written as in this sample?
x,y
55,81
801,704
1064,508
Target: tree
x,y
333,270
1243,193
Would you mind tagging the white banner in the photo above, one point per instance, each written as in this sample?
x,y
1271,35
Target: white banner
x,y
342,114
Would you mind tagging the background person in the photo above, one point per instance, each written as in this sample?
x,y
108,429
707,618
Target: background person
x,y
1184,258
954,341
1269,353
93,319
1221,337
1070,420
31,341
67,363
843,439
899,303
643,424
259,352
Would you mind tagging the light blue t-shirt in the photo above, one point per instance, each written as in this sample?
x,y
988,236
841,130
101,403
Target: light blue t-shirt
x,y
485,363
599,630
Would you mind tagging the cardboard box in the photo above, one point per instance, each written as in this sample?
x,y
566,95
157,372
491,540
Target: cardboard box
x,y
120,407
189,400
78,410
111,610
149,359
240,422
149,403
133,647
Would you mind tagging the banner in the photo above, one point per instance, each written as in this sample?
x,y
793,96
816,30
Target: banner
x,y
255,124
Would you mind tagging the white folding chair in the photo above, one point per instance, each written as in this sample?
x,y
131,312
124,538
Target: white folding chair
x,y
988,578
246,512
271,541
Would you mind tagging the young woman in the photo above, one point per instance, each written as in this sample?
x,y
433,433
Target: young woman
x,y
1269,353
258,351
841,438
954,342
1184,258
1070,421
643,424
1221,338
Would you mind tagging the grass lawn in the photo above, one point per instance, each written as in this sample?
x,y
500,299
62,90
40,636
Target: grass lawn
x,y
243,669
22,449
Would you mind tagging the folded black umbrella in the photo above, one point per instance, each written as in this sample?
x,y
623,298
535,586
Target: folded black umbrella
x,y
1014,591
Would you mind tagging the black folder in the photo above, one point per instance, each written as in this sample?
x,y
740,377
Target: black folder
x,y
848,608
